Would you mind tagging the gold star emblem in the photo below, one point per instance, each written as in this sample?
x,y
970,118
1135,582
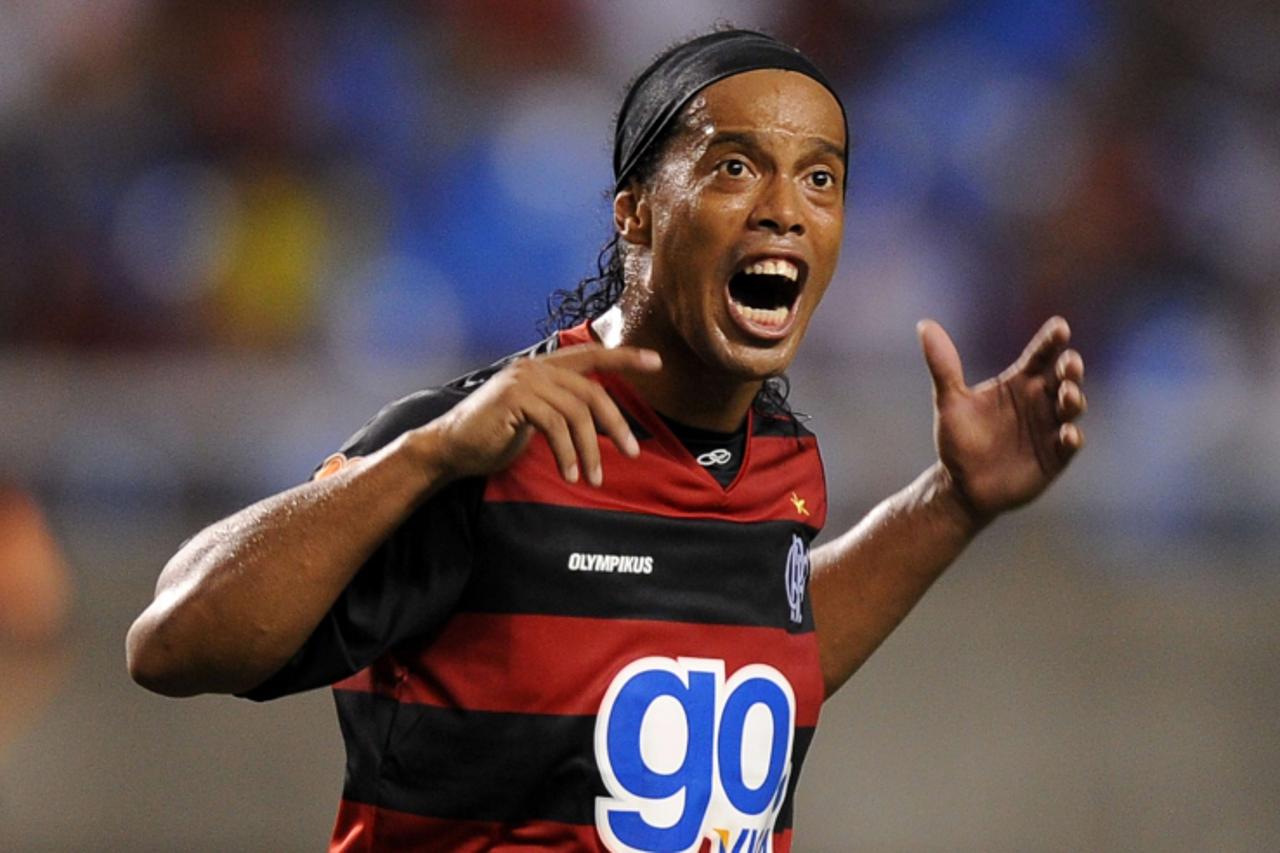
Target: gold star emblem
x,y
798,503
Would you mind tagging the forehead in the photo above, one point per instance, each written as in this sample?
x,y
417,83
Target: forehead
x,y
768,100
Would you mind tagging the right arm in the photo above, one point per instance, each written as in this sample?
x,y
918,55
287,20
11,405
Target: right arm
x,y
242,596
238,599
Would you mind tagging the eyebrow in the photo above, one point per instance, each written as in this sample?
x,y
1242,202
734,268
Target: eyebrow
x,y
749,139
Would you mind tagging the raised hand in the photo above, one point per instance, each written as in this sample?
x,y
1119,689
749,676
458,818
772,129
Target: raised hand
x,y
554,395
1004,440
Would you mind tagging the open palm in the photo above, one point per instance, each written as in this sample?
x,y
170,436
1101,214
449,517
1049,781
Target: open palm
x,y
1003,441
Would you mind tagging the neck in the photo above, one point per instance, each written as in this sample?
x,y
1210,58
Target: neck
x,y
686,389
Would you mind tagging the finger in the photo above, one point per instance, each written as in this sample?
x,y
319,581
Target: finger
x,y
1070,441
588,358
941,357
1071,401
582,429
1044,346
548,421
608,417
1069,367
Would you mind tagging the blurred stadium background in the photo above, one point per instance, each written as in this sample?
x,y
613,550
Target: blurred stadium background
x,y
229,232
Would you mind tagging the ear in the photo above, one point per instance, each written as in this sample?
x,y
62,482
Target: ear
x,y
631,215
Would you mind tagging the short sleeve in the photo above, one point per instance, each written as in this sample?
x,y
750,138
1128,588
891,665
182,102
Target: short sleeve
x,y
410,584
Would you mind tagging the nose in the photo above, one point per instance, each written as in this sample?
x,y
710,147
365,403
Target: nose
x,y
778,209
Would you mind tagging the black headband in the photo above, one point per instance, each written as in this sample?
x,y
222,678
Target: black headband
x,y
658,94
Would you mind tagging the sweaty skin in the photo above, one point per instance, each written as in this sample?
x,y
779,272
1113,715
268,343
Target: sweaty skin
x,y
1000,443
242,595
756,171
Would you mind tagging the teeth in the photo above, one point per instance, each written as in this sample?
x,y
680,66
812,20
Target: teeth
x,y
772,317
773,266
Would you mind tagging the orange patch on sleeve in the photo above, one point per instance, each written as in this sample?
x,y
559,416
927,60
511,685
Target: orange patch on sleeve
x,y
331,466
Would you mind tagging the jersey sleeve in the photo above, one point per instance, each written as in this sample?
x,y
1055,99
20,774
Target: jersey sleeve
x,y
408,586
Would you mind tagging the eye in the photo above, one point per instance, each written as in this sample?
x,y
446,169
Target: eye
x,y
823,179
733,167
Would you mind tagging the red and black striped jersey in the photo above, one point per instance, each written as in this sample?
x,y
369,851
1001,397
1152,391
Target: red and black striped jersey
x,y
530,663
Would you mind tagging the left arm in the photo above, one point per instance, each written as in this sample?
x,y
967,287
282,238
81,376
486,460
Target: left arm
x,y
1000,444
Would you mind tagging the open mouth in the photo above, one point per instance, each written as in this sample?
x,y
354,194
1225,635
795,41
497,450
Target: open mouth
x,y
763,295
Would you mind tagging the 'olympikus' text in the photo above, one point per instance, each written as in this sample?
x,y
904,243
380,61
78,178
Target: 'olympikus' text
x,y
613,563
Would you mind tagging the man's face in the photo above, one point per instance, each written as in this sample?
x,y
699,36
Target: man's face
x,y
747,210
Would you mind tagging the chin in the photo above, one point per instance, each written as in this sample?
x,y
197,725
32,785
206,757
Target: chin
x,y
752,361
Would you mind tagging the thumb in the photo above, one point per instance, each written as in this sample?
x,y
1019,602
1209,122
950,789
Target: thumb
x,y
941,358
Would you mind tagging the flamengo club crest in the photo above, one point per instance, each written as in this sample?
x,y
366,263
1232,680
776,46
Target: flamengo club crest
x,y
797,577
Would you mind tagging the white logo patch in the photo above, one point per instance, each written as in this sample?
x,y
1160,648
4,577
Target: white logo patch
x,y
712,458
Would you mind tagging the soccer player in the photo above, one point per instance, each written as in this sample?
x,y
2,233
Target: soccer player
x,y
568,602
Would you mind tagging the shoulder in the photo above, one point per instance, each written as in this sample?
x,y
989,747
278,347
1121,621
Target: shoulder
x,y
397,418
468,382
422,407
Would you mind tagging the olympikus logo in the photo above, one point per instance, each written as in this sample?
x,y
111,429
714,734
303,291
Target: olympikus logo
x,y
623,564
713,458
